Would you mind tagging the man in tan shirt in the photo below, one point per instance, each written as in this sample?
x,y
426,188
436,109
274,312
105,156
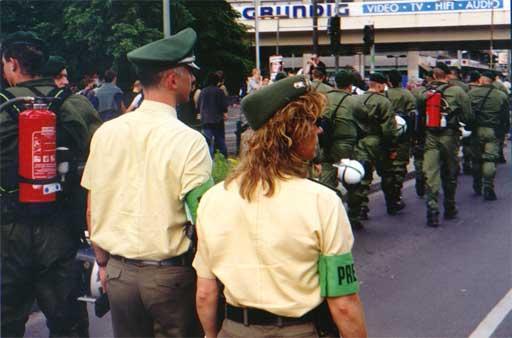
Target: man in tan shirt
x,y
278,242
141,170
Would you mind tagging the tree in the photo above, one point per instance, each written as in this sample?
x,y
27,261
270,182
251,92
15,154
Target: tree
x,y
93,35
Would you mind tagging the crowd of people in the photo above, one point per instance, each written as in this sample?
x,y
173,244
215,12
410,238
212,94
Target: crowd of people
x,y
265,253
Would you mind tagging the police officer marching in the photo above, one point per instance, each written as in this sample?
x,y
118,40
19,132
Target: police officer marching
x,y
404,105
444,107
491,109
40,237
340,129
144,171
378,140
279,243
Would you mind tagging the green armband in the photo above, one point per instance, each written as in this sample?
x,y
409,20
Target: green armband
x,y
337,275
193,197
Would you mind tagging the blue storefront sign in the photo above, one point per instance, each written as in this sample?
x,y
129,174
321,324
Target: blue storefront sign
x,y
400,7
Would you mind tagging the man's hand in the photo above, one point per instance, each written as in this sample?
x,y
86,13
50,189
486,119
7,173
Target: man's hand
x,y
225,116
102,274
393,155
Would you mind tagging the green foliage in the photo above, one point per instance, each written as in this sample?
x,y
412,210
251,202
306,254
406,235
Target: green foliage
x,y
93,35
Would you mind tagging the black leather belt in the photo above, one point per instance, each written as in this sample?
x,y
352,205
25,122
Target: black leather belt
x,y
181,260
250,316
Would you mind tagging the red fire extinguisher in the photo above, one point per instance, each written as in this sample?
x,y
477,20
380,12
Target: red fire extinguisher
x,y
37,155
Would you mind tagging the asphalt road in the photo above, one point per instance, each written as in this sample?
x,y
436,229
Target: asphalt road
x,y
418,281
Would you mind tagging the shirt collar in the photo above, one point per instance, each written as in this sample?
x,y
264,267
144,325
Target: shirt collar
x,y
157,109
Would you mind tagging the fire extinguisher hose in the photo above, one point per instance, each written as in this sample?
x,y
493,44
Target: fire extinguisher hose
x,y
16,99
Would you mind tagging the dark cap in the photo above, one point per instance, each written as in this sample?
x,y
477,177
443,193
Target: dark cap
x,y
261,105
344,78
489,74
24,38
169,52
280,76
443,66
395,77
474,76
54,66
378,77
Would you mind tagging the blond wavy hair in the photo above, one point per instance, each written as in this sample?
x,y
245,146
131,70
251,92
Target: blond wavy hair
x,y
271,150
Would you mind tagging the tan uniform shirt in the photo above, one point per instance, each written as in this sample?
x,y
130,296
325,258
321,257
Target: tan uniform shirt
x,y
141,166
266,252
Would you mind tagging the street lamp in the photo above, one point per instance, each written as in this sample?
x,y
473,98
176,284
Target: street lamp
x,y
396,58
276,17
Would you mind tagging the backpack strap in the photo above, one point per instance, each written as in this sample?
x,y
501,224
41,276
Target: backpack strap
x,y
60,95
338,106
13,109
368,98
485,99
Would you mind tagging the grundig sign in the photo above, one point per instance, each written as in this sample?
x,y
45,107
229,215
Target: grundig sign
x,y
295,11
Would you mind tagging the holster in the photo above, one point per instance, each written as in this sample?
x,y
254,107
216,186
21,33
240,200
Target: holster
x,y
323,321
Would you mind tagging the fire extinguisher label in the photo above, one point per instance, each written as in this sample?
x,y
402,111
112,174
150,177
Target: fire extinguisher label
x,y
43,154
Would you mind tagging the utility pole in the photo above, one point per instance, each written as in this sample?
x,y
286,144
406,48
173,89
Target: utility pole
x,y
315,27
256,30
491,63
337,56
167,18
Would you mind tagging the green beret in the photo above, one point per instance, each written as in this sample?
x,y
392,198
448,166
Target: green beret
x,y
378,77
170,52
24,38
489,74
280,76
474,75
344,78
54,66
261,105
443,66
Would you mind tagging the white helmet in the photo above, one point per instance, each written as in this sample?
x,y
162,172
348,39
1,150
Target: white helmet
x,y
465,133
401,125
350,171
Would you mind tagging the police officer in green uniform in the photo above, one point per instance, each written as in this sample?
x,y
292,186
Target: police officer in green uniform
x,y
491,109
40,240
418,137
56,68
500,132
442,145
340,136
404,105
378,140
467,156
318,77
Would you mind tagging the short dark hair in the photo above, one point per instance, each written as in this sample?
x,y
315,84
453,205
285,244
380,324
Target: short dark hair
x,y
395,78
31,58
220,74
455,71
318,73
110,75
150,77
213,79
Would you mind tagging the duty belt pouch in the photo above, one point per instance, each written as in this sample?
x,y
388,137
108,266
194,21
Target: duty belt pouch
x,y
323,321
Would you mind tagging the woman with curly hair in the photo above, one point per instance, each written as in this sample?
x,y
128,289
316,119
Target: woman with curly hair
x,y
278,242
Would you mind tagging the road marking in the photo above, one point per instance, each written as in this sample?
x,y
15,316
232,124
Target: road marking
x,y
494,318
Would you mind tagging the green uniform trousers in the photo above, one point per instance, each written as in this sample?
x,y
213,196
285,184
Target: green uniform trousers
x,y
232,329
394,172
418,152
329,173
368,151
485,154
467,154
38,264
152,301
441,167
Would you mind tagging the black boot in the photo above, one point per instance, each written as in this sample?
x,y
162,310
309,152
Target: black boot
x,y
450,213
467,169
477,188
432,219
420,188
489,194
